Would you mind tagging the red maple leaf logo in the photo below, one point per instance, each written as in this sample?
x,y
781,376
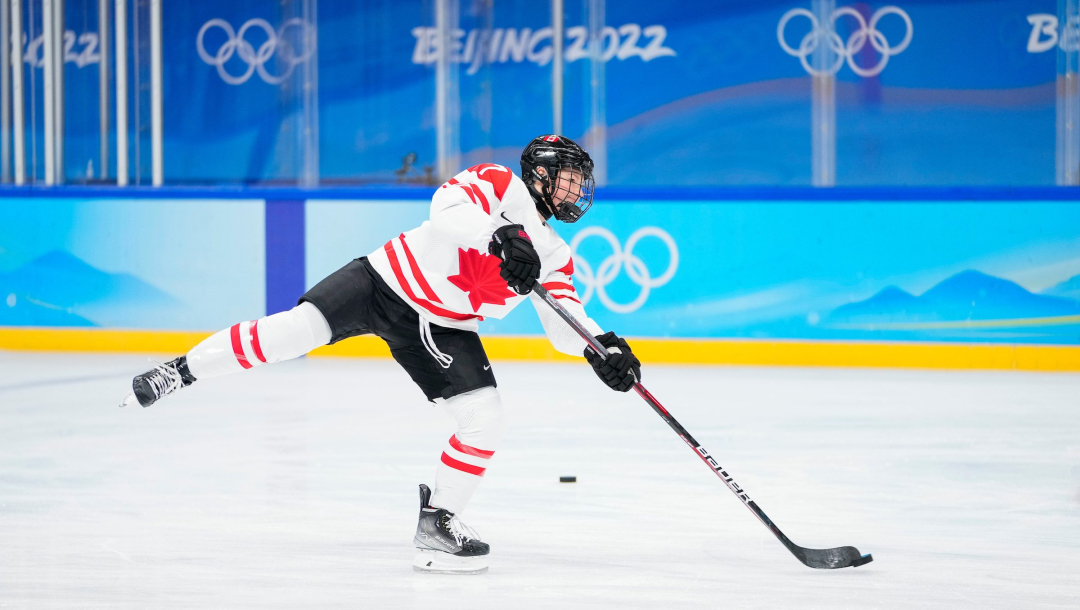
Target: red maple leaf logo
x,y
478,275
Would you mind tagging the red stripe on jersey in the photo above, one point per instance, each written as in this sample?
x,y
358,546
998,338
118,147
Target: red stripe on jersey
x,y
237,348
462,466
559,286
254,332
568,269
481,197
468,191
439,311
449,182
420,279
496,175
566,296
467,450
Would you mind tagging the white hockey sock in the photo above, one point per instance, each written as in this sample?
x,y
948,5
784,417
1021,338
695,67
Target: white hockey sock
x,y
465,457
282,336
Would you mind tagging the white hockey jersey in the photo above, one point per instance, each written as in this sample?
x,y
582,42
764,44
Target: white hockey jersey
x,y
442,268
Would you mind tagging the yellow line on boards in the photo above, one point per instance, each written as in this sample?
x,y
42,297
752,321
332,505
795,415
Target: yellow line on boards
x,y
1001,323
99,340
657,351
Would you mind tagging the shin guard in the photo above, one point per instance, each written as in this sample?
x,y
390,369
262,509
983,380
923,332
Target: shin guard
x,y
480,420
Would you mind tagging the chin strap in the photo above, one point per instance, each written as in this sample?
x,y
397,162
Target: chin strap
x,y
542,197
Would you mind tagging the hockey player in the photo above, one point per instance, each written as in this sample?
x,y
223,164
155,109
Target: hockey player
x,y
487,243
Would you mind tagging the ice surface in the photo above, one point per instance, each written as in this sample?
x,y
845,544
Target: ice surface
x,y
294,485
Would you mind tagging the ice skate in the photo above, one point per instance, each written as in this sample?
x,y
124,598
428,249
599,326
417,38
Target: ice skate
x,y
446,545
159,382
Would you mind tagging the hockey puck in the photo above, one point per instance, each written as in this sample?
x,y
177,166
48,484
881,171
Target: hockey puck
x,y
568,479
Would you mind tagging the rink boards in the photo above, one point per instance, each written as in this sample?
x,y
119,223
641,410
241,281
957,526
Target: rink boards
x,y
976,278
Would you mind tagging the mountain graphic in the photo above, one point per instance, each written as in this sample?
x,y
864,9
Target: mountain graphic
x,y
1070,289
968,295
57,287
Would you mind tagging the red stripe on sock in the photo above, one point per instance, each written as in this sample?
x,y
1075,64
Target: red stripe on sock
x,y
467,450
255,341
462,466
237,349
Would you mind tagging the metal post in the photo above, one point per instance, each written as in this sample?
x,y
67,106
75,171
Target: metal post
x,y
121,94
47,50
156,125
596,137
5,91
446,91
441,68
58,88
138,73
309,173
823,98
16,66
103,88
1068,94
557,13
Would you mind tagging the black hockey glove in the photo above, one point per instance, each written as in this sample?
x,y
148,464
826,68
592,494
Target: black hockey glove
x,y
622,369
520,265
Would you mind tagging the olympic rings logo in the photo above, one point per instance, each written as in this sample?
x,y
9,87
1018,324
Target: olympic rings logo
x,y
276,42
855,43
621,258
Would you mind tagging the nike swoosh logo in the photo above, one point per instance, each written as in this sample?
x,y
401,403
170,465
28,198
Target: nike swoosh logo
x,y
487,366
503,214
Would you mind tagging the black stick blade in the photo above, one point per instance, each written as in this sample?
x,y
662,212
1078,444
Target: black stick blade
x,y
832,559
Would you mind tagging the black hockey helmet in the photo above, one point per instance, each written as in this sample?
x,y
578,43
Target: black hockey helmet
x,y
566,185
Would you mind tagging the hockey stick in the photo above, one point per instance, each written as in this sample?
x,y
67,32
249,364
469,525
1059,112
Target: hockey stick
x,y
824,559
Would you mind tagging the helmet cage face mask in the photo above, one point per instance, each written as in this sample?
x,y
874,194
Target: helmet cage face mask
x,y
567,191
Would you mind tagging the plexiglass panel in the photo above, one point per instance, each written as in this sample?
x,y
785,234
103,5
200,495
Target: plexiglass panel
x,y
377,97
704,96
239,86
778,92
945,93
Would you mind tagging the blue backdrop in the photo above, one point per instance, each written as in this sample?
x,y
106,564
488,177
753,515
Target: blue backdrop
x,y
929,266
927,270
